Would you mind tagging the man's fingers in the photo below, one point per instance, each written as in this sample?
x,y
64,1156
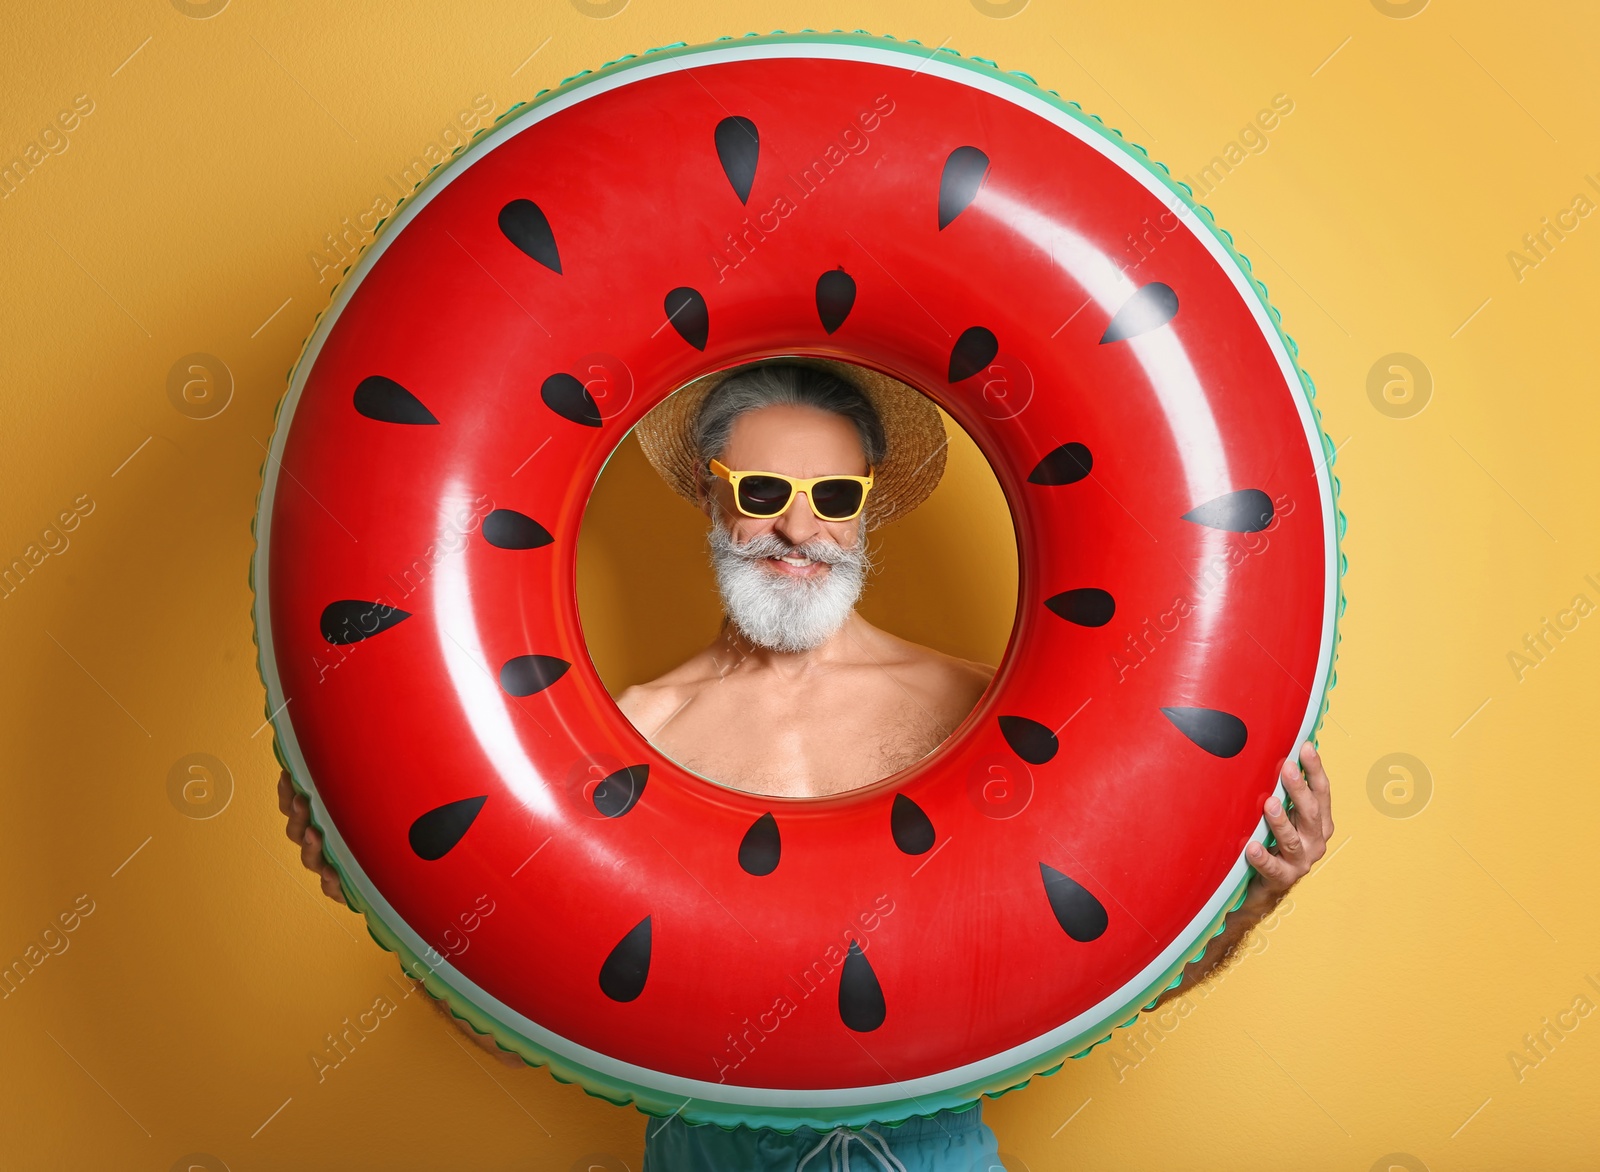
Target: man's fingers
x,y
285,793
1275,873
311,852
331,887
1305,815
1317,778
300,832
299,818
1304,801
1289,839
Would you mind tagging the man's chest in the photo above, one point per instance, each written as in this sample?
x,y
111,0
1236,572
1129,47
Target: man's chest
x,y
799,740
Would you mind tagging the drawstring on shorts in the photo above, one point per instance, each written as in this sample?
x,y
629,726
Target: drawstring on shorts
x,y
837,1144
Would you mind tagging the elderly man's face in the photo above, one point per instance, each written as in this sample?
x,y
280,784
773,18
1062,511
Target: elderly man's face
x,y
790,581
799,442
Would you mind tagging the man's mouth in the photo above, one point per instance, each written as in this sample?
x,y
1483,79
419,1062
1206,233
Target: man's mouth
x,y
796,565
812,559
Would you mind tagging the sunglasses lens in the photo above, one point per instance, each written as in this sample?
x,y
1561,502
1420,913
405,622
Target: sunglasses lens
x,y
764,496
836,499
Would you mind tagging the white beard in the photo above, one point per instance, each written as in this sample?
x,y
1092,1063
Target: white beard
x,y
782,613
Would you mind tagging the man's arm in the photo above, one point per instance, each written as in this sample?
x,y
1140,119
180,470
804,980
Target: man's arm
x,y
1302,831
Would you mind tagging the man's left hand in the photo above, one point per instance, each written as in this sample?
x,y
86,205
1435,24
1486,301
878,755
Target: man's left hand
x,y
1302,831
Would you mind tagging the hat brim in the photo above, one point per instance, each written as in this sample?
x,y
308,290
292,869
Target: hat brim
x,y
913,430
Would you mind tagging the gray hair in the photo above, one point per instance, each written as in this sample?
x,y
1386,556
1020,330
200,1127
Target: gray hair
x,y
786,384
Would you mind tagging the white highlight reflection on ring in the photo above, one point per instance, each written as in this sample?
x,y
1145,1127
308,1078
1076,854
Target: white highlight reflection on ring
x,y
1194,429
1195,436
472,677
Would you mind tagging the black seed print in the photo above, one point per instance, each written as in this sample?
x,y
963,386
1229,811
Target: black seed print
x,y
958,186
619,792
1219,733
509,529
686,309
974,350
913,832
1088,606
1151,307
738,145
527,674
761,847
836,296
623,974
1248,510
387,401
1068,464
1029,739
436,833
1080,914
570,399
861,1005
524,224
351,620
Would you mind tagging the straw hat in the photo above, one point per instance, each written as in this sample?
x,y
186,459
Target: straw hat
x,y
913,432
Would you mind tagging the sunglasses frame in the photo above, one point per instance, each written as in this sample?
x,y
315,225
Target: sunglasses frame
x,y
796,485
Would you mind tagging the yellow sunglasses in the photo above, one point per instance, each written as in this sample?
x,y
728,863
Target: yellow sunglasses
x,y
767,494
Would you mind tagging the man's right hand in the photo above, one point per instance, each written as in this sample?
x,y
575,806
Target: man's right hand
x,y
306,836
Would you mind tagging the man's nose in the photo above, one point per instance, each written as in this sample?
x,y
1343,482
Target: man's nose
x,y
798,524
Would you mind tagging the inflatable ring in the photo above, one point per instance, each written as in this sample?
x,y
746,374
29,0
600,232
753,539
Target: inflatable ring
x,y
946,933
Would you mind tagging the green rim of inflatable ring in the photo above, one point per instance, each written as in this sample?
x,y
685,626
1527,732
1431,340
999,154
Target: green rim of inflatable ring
x,y
627,1094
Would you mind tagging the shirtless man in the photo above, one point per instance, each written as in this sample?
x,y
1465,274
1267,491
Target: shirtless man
x,y
833,702
800,696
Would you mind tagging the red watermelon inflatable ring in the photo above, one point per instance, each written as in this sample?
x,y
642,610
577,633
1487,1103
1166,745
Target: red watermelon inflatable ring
x,y
952,930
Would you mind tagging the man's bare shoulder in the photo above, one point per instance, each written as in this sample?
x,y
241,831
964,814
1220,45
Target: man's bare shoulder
x,y
650,705
946,678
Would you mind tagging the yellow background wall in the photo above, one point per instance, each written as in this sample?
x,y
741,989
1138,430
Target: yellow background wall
x,y
1373,1022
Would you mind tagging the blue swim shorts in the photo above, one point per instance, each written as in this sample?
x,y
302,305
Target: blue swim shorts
x,y
950,1141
